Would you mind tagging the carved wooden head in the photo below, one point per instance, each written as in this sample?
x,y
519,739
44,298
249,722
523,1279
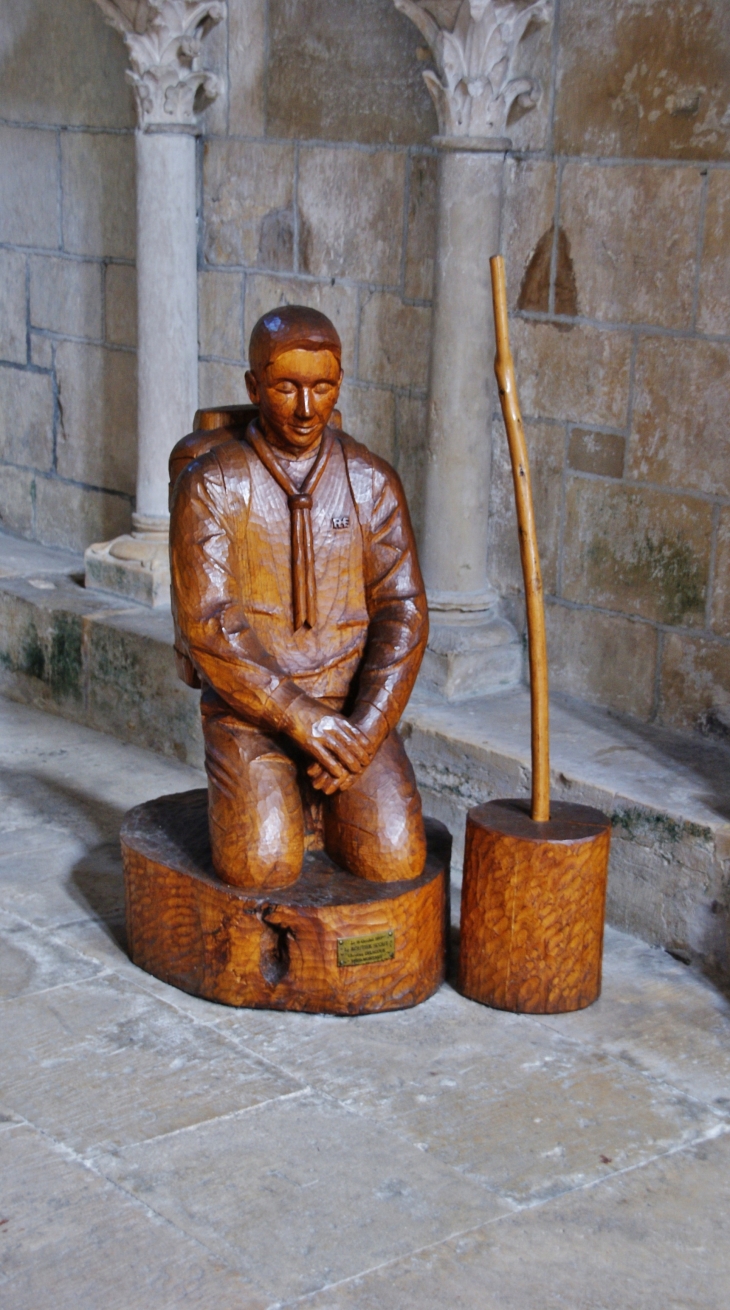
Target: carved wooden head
x,y
295,376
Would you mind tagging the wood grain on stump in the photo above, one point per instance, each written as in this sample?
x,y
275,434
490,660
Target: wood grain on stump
x,y
533,906
280,950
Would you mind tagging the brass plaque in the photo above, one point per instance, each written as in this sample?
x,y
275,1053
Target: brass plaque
x,y
372,949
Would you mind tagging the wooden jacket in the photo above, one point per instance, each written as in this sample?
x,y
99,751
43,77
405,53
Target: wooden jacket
x,y
230,550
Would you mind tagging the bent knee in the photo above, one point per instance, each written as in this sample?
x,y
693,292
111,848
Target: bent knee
x,y
392,852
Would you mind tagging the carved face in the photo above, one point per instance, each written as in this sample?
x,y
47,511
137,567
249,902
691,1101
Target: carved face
x,y
296,393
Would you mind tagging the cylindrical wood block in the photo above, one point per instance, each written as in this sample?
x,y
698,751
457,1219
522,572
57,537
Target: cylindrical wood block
x,y
330,943
533,907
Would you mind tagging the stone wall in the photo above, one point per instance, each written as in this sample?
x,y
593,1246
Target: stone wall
x,y
617,238
317,184
67,313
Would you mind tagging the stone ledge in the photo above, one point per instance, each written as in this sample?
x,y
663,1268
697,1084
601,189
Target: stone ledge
x,y
668,796
76,653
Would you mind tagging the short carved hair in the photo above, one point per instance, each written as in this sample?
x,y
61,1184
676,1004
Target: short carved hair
x,y
289,328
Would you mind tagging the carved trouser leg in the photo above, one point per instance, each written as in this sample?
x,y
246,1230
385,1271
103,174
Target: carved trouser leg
x,y
255,810
375,828
254,806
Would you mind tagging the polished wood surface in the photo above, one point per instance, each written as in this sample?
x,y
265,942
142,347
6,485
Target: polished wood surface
x,y
279,950
529,554
300,609
532,907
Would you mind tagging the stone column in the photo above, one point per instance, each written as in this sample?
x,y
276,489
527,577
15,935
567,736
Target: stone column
x,y
163,38
471,649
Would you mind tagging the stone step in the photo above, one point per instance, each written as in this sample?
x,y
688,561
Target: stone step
x,y
80,654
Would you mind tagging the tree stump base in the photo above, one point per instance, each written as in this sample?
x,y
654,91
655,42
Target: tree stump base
x,y
533,907
330,943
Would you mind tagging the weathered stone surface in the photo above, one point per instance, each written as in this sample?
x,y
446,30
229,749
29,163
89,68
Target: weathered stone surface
x,y
31,963
69,1227
633,240
421,229
338,302
528,215
26,418
676,1033
721,585
410,428
582,374
695,683
220,314
51,880
248,189
17,500
221,384
530,129
640,551
394,341
29,167
602,453
97,171
64,65
653,1236
98,219
368,414
41,350
713,309
343,73
65,296
635,80
679,432
361,236
538,1137
183,1073
71,516
546,452
97,435
601,658
13,313
120,304
377,1196
247,53
133,687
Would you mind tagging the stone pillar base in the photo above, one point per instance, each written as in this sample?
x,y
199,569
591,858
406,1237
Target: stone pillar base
x,y
135,566
472,650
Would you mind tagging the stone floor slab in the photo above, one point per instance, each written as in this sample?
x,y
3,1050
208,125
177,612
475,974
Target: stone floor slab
x,y
30,961
648,1238
104,1064
300,1193
73,1241
660,1016
54,885
486,1093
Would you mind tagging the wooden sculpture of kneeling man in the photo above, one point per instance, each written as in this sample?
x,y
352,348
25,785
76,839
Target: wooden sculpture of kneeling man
x,y
299,602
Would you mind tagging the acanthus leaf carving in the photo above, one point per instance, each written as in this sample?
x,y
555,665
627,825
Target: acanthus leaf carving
x,y
476,85
164,39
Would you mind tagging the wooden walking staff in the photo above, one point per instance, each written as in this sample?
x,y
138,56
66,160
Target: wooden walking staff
x,y
534,893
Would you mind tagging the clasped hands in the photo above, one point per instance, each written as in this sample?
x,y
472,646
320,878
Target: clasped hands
x,y
339,747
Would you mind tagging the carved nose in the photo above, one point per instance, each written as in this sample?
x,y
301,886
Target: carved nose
x,y
305,403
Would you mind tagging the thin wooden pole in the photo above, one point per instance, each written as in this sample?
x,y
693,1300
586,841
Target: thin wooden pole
x,y
537,645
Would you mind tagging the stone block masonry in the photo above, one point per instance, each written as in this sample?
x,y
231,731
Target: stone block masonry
x,y
67,365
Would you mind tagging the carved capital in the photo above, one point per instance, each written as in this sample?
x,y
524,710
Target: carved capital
x,y
475,85
164,39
